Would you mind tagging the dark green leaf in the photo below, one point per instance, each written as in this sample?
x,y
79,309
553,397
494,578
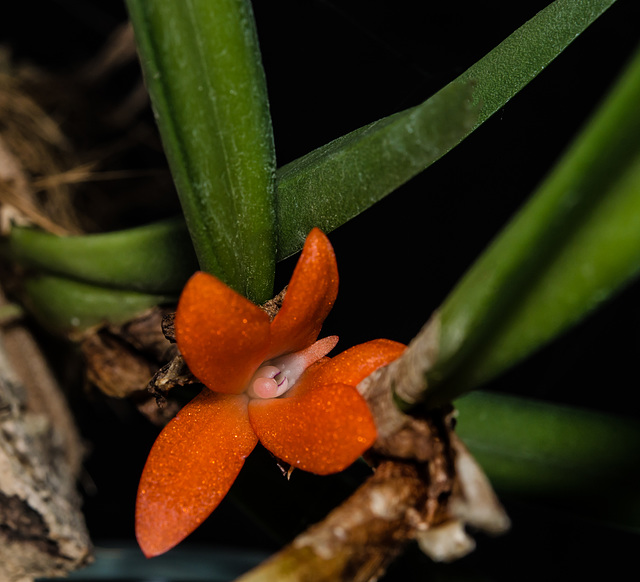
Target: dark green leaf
x,y
574,244
69,307
582,461
334,183
157,258
203,71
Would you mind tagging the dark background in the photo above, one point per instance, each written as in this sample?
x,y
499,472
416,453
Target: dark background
x,y
332,67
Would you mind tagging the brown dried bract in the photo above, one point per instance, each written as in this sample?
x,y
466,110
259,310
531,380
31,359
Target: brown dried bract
x,y
272,306
121,359
114,366
173,374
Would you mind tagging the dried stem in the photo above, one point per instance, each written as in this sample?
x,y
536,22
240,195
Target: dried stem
x,y
359,538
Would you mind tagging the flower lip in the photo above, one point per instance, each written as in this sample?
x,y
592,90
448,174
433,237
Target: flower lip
x,y
268,382
276,377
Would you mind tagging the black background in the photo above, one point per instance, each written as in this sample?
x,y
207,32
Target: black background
x,y
332,67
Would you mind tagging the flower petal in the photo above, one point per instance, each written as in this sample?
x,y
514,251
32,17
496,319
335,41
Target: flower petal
x,y
323,424
192,465
349,367
322,430
310,296
222,336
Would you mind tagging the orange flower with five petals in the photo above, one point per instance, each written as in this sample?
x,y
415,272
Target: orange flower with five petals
x,y
264,381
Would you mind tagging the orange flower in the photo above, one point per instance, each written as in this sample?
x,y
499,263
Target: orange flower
x,y
266,381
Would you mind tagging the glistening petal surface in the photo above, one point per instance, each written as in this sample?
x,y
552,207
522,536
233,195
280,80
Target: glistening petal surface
x,y
322,431
310,296
222,336
351,366
192,465
323,424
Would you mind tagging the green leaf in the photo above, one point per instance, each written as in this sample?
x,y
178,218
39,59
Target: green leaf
x,y
157,258
334,183
517,60
574,244
579,460
226,203
203,71
67,307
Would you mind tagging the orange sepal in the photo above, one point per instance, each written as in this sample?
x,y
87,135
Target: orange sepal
x,y
351,366
322,431
192,465
310,296
222,336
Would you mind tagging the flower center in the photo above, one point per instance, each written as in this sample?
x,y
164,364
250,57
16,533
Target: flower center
x,y
269,382
277,376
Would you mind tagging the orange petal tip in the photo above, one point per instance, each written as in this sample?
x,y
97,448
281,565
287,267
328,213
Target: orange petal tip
x,y
192,465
